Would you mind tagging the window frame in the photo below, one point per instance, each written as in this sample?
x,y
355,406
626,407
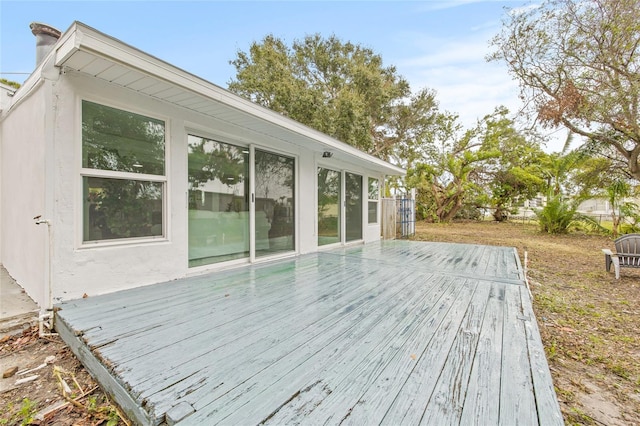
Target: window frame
x,y
85,172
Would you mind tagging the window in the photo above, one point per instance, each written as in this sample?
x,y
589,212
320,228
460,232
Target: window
x,y
374,193
123,174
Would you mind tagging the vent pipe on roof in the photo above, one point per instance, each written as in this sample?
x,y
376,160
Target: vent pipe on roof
x,y
46,38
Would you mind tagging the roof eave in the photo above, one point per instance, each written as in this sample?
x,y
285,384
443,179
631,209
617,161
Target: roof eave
x,y
80,37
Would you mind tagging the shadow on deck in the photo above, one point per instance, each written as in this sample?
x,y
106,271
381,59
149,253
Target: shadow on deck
x,y
394,332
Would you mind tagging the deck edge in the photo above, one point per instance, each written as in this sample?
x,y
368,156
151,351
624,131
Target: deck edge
x,y
100,373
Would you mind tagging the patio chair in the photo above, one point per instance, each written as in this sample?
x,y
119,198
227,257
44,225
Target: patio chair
x,y
627,254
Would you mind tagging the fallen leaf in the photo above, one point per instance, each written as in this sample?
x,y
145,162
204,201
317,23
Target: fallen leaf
x,y
9,372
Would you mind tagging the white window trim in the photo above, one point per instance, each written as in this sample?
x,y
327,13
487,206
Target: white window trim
x,y
82,172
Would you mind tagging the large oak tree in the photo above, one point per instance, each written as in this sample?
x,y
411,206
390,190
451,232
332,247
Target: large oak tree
x,y
339,88
578,66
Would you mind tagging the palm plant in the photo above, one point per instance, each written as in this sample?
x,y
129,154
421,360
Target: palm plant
x,y
560,215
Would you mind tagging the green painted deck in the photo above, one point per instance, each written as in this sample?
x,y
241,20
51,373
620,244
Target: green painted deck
x,y
394,332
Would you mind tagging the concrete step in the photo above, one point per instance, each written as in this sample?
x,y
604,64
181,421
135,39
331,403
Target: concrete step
x,y
18,323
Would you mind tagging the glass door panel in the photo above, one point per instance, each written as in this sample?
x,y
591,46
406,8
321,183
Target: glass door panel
x,y
353,205
274,204
218,201
329,202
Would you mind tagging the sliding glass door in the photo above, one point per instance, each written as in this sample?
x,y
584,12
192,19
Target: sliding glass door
x,y
274,205
353,206
218,201
329,202
333,212
221,202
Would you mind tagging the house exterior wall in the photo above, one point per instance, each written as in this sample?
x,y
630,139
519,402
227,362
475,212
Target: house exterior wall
x,y
24,137
6,93
79,268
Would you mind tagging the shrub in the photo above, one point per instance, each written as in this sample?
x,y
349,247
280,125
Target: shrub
x,y
559,215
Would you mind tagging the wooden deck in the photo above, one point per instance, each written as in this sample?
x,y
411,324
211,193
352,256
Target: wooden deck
x,y
393,333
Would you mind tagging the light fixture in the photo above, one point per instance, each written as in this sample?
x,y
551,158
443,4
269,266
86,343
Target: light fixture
x,y
327,154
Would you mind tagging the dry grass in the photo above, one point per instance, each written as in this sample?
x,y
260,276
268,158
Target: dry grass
x,y
589,321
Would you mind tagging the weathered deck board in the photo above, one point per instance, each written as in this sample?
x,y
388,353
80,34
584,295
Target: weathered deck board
x,y
301,369
289,351
517,400
481,405
393,332
359,358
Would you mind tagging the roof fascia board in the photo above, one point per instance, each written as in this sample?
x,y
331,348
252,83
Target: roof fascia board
x,y
84,38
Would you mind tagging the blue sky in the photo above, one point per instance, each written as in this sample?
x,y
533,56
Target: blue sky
x,y
435,44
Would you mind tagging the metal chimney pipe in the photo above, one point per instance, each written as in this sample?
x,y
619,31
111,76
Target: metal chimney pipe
x,y
46,38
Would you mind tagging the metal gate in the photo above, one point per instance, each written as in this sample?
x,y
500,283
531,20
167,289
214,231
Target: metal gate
x,y
406,217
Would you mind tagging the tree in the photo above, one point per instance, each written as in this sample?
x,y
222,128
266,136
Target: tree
x,y
616,192
10,83
448,172
517,174
336,87
578,65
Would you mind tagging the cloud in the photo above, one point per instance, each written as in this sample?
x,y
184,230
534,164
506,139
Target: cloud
x,y
466,84
524,9
449,4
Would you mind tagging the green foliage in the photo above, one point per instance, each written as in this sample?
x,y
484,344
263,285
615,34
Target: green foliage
x,y
517,174
344,90
10,83
558,216
339,88
617,191
491,165
27,412
447,174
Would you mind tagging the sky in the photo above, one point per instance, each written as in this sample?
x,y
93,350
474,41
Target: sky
x,y
436,44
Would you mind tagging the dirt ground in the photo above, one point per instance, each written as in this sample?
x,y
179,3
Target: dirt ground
x,y
589,321
57,390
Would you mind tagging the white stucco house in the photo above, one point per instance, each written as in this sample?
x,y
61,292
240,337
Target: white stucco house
x,y
120,170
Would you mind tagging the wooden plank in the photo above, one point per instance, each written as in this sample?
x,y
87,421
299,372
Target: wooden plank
x,y
109,383
326,338
440,261
388,218
481,405
154,315
386,362
517,401
548,408
169,293
409,403
293,373
231,343
447,401
364,394
231,313
259,369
